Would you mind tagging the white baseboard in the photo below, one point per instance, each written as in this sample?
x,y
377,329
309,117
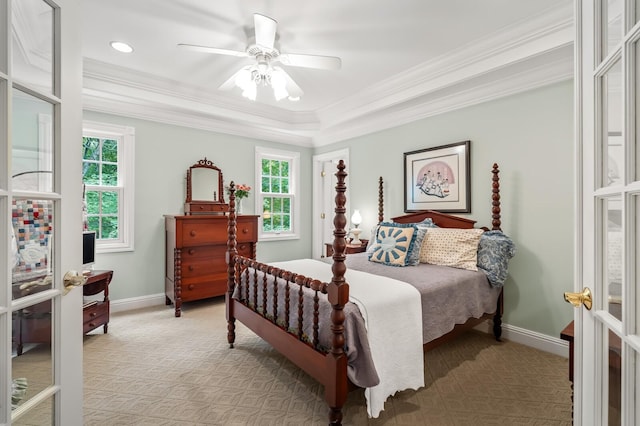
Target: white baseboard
x,y
533,339
523,336
137,302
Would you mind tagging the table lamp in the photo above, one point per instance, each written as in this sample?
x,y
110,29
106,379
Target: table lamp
x,y
356,219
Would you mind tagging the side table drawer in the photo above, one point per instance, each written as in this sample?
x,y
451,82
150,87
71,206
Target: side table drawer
x,y
95,316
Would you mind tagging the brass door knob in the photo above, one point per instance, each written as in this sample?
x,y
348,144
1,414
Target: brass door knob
x,y
579,299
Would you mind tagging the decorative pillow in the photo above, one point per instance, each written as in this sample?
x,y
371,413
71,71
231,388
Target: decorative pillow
x,y
413,258
393,243
372,238
427,223
453,247
494,251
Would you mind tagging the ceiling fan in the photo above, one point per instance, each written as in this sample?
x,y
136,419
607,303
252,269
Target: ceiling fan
x,y
265,71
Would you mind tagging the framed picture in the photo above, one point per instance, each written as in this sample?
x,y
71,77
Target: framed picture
x,y
438,179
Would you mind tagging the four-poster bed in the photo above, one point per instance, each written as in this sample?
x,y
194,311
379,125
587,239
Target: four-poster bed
x,y
312,322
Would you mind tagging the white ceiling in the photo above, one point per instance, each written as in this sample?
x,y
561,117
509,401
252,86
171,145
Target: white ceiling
x,y
401,61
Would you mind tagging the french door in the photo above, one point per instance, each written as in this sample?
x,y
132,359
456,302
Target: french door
x,y
40,211
608,246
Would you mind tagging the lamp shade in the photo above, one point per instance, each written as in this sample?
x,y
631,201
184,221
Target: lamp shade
x,y
356,219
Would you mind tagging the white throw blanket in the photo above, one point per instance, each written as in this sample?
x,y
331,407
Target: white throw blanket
x,y
392,313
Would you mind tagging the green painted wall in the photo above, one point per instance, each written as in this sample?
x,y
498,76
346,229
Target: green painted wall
x,y
530,136
162,155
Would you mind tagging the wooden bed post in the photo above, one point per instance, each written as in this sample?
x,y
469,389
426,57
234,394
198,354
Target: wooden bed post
x,y
338,294
496,226
231,253
495,197
380,201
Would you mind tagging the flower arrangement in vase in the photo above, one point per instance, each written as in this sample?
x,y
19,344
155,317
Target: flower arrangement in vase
x,y
242,192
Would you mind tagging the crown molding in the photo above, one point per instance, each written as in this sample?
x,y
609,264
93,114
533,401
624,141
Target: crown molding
x,y
508,80
527,55
160,112
521,40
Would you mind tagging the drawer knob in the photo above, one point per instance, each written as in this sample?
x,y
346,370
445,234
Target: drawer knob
x,y
245,230
92,314
191,287
191,267
91,324
191,251
192,233
201,207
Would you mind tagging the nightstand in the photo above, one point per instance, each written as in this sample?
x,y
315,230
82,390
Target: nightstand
x,y
351,248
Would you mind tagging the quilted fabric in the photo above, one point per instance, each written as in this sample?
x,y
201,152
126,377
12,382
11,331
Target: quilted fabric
x,y
32,223
494,251
453,247
393,243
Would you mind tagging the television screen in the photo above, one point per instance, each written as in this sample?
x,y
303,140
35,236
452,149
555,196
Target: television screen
x,y
88,248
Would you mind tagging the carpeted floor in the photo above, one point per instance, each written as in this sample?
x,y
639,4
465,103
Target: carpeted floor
x,y
155,369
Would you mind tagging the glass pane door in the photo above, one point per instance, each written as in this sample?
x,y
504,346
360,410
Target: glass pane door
x,y
37,132
608,112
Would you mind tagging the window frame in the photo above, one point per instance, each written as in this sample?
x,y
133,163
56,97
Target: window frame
x,y
263,153
125,135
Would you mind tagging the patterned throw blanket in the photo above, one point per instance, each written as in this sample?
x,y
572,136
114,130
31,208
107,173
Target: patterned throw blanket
x,y
392,313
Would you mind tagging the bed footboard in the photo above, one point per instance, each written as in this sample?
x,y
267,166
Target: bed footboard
x,y
253,298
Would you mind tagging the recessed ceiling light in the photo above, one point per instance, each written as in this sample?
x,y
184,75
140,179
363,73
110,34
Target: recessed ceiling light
x,y
121,46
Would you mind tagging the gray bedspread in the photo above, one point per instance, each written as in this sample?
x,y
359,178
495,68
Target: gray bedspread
x,y
450,296
360,370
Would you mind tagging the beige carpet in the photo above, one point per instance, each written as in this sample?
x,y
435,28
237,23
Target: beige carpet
x,y
155,369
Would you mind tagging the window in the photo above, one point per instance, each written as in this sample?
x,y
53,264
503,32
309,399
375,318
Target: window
x,y
107,175
277,181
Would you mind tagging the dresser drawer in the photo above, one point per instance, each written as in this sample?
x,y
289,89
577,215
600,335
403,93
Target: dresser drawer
x,y
203,266
193,289
196,233
246,230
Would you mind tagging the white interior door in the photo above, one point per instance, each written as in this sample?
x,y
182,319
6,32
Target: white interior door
x,y
324,183
41,223
607,89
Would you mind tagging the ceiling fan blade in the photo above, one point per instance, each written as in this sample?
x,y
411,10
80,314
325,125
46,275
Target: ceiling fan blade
x,y
231,82
265,28
207,49
311,61
292,87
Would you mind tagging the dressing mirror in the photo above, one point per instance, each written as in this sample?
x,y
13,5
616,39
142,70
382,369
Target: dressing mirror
x,y
205,191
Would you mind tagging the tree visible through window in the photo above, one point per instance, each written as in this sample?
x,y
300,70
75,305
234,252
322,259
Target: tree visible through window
x,y
108,178
102,192
277,199
277,178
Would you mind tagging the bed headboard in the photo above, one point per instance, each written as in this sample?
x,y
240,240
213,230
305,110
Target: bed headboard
x,y
444,220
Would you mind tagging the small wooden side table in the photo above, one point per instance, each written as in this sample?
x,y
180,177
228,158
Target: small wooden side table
x,y
96,313
351,248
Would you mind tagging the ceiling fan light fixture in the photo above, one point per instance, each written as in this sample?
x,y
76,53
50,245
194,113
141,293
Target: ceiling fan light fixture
x,y
243,78
250,91
279,85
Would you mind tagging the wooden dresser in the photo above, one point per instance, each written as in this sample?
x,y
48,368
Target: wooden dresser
x,y
196,247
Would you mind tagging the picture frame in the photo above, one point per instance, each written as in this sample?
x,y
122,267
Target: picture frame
x,y
438,179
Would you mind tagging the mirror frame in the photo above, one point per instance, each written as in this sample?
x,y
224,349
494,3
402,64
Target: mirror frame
x,y
192,206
